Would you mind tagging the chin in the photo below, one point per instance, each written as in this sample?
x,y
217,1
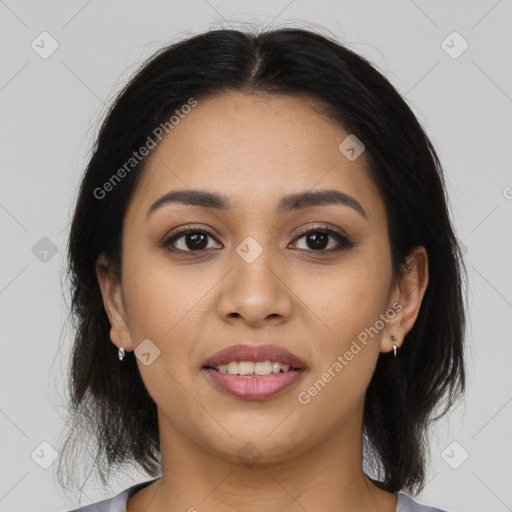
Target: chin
x,y
262,447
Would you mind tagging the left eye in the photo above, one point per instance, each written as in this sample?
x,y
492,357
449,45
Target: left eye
x,y
318,239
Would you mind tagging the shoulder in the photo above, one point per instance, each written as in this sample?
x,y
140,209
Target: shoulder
x,y
114,504
407,504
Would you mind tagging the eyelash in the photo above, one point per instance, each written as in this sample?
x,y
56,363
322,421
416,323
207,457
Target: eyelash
x,y
345,242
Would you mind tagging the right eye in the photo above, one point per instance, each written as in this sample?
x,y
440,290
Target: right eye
x,y
194,240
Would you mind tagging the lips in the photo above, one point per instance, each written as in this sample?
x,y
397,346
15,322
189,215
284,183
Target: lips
x,y
254,387
254,353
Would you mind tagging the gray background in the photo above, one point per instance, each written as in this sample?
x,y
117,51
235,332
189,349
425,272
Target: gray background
x,y
50,111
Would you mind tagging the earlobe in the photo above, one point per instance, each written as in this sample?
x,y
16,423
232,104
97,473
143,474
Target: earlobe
x,y
111,291
409,292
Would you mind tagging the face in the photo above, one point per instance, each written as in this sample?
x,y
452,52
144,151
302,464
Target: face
x,y
249,275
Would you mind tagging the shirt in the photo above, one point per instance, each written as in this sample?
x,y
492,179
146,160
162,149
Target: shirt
x,y
118,502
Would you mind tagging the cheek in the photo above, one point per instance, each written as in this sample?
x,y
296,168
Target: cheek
x,y
347,305
345,354
160,296
163,304
347,300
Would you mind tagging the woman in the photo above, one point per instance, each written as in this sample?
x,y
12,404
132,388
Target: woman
x,y
266,282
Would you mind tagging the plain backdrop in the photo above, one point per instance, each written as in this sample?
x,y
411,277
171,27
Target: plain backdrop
x,y
50,111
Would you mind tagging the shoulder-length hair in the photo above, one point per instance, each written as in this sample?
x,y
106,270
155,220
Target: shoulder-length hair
x,y
109,403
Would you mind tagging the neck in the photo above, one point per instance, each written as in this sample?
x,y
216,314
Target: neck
x,y
327,477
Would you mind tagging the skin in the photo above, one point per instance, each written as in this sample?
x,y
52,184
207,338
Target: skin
x,y
192,304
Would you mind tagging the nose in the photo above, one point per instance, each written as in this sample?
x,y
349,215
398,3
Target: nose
x,y
257,292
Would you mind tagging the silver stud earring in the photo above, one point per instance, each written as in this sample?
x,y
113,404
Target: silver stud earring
x,y
120,353
393,338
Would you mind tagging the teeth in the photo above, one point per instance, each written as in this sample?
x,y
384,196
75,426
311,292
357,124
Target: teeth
x,y
245,368
263,368
250,368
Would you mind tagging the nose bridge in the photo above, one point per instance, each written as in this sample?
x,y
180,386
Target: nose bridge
x,y
256,284
257,237
254,259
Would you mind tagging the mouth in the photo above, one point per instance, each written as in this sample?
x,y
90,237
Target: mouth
x,y
254,371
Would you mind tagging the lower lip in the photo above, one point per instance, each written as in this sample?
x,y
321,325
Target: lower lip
x,y
254,388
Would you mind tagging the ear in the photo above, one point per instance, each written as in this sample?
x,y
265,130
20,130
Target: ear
x,y
112,293
408,292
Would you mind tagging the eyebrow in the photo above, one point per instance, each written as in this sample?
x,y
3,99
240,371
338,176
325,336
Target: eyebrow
x,y
298,201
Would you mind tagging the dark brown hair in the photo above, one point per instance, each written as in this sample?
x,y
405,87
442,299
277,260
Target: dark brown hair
x,y
111,409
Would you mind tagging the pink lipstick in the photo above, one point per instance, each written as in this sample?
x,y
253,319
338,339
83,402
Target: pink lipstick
x,y
254,372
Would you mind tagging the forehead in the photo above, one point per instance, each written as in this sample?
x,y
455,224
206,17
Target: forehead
x,y
255,149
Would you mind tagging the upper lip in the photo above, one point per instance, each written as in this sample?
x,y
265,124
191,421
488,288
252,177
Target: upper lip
x,y
246,352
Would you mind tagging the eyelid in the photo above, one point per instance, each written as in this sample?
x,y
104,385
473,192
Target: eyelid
x,y
322,227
